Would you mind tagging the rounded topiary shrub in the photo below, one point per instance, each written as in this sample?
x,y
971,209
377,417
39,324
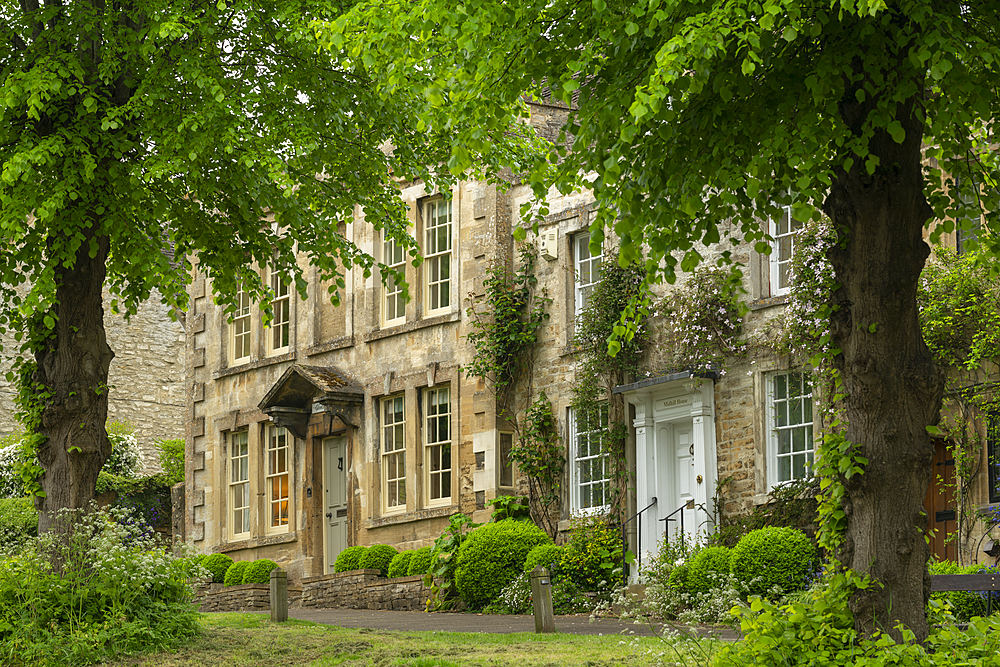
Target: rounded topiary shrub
x,y
234,575
348,559
399,563
547,555
491,557
420,562
217,564
773,558
378,558
259,571
707,568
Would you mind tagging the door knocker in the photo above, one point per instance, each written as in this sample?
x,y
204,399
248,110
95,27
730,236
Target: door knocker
x,y
340,463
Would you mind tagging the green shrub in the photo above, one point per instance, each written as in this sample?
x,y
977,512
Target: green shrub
x,y
259,571
171,453
348,559
399,563
420,562
491,556
234,575
217,564
819,630
706,568
510,507
378,558
548,556
593,556
964,604
18,522
678,577
106,589
773,558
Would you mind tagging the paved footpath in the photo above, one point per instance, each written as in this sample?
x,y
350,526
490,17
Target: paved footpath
x,y
456,622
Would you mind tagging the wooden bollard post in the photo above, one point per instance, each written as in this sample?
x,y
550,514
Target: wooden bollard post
x,y
541,598
279,595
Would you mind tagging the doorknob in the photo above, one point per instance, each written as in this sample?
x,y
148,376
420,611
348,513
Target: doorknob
x,y
329,515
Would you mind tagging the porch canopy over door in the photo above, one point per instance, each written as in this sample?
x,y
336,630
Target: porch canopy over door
x,y
303,391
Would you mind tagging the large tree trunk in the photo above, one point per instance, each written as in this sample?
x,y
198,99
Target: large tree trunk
x,y
73,370
892,390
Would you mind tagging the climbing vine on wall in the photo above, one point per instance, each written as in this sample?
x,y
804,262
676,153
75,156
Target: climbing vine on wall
x,y
598,372
539,456
505,323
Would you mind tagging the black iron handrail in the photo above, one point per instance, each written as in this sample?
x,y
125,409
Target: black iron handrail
x,y
688,505
638,542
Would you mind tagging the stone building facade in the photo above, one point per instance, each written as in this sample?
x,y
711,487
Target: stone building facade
x,y
355,424
146,376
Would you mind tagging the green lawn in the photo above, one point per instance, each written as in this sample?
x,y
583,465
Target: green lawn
x,y
251,639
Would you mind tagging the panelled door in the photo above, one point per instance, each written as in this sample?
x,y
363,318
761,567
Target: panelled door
x,y
334,499
940,503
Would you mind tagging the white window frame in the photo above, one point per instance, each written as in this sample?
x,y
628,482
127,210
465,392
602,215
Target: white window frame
x,y
393,306
576,485
238,484
776,426
240,328
782,250
279,443
437,255
586,271
436,446
393,433
279,332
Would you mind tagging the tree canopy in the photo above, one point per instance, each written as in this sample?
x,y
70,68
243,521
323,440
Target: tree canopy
x,y
140,135
695,122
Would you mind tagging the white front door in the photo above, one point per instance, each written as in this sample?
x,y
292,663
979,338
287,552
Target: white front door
x,y
684,521
334,499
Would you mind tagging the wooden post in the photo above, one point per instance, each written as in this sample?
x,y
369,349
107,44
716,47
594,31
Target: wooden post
x,y
279,595
541,598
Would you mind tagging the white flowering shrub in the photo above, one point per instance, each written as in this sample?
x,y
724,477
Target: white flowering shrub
x,y
103,587
807,316
703,320
126,459
11,485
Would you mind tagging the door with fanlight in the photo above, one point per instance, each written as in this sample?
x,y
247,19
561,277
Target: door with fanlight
x,y
334,499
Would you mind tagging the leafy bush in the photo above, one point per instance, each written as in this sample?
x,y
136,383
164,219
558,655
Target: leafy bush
x,y
125,459
678,577
171,454
348,559
378,558
441,573
399,563
102,590
11,457
420,562
491,556
259,571
965,604
234,575
773,559
217,564
707,568
792,505
18,523
548,556
510,507
820,631
593,556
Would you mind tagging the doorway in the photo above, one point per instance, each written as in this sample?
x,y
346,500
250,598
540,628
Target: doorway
x,y
334,500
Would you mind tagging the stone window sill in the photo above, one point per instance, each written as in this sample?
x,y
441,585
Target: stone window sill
x,y
255,542
330,345
407,327
408,517
769,302
253,365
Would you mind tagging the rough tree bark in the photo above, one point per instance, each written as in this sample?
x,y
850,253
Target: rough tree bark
x,y
892,390
73,369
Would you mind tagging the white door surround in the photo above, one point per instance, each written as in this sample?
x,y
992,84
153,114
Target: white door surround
x,y
675,457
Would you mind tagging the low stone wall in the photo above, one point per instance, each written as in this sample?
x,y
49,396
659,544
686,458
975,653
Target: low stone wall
x,y
245,597
365,589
